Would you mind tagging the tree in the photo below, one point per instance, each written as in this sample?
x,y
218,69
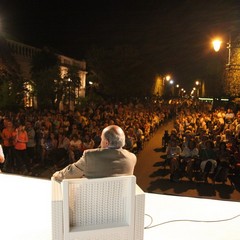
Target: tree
x,y
45,71
11,82
66,87
119,71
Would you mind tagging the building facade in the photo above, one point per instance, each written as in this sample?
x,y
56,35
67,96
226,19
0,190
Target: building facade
x,y
23,54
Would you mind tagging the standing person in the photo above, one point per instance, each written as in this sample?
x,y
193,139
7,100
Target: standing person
x,y
21,139
2,158
110,160
49,143
31,144
7,146
59,155
165,139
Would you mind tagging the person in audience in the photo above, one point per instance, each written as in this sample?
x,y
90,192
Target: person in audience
x,y
87,142
2,158
75,148
49,143
189,157
20,146
208,159
7,146
59,155
224,157
173,153
31,144
107,161
165,139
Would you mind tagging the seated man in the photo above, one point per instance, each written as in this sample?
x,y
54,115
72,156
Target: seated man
x,y
110,160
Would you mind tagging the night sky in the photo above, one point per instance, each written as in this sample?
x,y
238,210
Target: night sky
x,y
174,35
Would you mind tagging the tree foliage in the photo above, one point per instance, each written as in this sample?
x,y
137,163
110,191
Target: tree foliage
x,y
119,71
45,71
11,82
50,87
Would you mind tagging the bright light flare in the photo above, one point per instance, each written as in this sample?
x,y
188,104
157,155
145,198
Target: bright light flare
x,y
216,44
168,77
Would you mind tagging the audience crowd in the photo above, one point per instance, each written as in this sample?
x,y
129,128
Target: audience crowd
x,y
204,140
204,144
54,139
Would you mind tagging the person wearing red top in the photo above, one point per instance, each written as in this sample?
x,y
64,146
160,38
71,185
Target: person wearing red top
x,y
21,139
7,145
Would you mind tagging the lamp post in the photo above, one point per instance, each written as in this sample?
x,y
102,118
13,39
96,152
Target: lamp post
x,y
166,79
69,92
217,46
177,87
197,83
232,69
171,82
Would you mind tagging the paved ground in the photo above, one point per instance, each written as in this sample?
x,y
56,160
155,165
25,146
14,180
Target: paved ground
x,y
152,177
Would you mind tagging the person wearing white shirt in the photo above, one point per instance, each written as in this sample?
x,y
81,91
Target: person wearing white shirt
x,y
2,158
189,157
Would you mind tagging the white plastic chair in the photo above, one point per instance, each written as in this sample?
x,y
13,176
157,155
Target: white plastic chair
x,y
100,209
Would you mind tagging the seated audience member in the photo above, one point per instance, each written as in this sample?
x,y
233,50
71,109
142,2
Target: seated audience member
x,y
131,140
87,142
173,152
208,158
223,163
189,158
75,148
229,116
110,160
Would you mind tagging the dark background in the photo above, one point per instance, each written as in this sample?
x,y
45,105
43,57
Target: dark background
x,y
173,36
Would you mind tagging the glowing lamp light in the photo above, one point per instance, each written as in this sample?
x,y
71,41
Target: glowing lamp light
x,y
216,44
168,77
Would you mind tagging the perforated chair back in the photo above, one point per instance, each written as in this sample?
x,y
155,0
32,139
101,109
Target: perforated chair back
x,y
99,209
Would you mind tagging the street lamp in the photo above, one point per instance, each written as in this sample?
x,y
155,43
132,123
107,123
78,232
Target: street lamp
x,y
171,82
177,88
165,79
69,80
197,83
232,70
217,42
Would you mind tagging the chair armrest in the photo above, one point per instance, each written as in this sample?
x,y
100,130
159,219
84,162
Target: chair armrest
x,y
57,210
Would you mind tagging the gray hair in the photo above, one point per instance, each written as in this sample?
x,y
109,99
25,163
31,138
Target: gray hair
x,y
115,136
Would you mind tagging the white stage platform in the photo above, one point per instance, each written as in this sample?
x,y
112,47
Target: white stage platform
x,y
26,214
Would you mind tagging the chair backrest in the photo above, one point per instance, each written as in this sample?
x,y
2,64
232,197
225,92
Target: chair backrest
x,y
103,208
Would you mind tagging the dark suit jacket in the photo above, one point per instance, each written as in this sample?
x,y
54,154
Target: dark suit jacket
x,y
97,163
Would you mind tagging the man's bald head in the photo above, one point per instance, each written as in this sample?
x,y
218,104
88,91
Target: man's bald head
x,y
112,137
